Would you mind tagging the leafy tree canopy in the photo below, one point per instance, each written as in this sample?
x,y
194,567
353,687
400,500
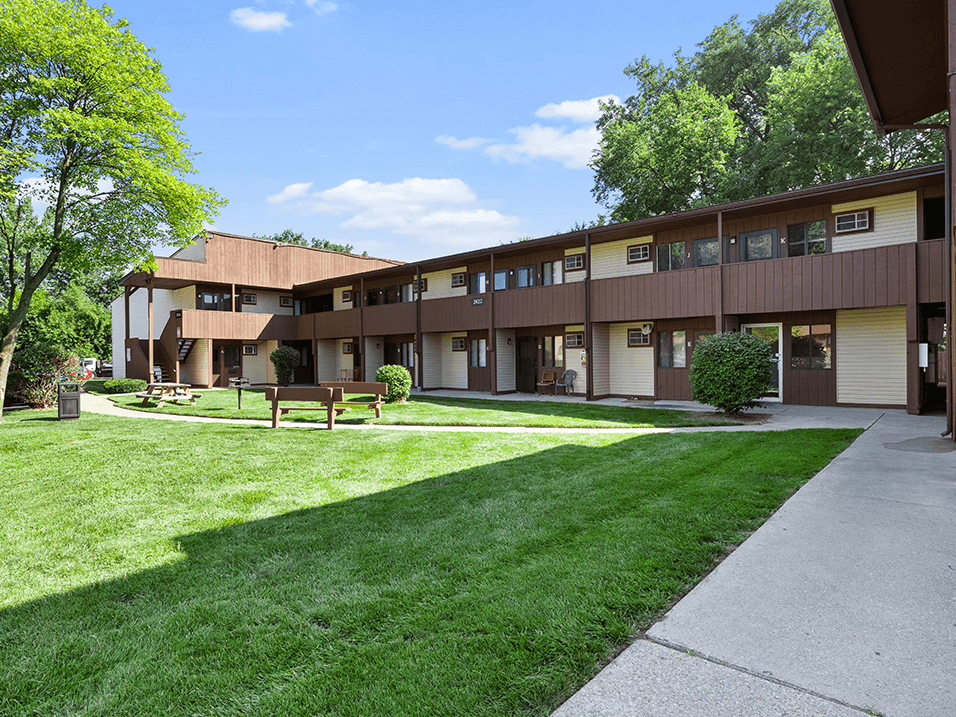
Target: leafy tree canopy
x,y
752,112
291,237
86,130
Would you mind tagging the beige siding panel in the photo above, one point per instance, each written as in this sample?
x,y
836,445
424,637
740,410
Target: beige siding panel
x,y
631,369
346,361
327,359
337,304
195,369
374,357
184,298
871,356
258,368
439,284
506,359
432,358
894,222
578,275
610,259
600,358
267,302
454,363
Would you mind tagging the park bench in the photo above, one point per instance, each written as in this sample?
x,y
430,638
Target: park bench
x,y
376,389
326,397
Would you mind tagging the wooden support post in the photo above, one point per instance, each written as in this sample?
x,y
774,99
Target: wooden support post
x,y
149,321
719,289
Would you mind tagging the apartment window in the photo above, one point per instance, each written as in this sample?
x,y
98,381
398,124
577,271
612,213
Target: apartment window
x,y
209,301
758,245
391,294
249,299
671,349
705,252
346,297
424,285
525,276
575,262
347,348
285,302
807,238
670,257
479,353
854,221
477,283
371,297
574,341
406,353
458,343
457,279
640,252
637,337
552,272
554,351
811,347
249,349
501,279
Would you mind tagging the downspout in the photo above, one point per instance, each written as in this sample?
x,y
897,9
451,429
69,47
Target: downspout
x,y
419,348
361,341
492,334
588,352
948,274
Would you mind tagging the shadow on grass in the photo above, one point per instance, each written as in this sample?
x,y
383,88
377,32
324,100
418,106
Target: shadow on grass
x,y
496,590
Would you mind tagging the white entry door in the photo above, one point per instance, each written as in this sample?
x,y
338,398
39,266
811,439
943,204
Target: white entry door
x,y
773,334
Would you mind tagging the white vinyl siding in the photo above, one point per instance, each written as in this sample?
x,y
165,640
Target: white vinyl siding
x,y
327,359
572,360
195,369
194,252
346,361
631,368
871,356
432,360
374,357
454,363
894,222
337,303
610,259
574,274
439,284
600,359
506,359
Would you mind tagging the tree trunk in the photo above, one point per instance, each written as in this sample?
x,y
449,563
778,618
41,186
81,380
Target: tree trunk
x,y
9,344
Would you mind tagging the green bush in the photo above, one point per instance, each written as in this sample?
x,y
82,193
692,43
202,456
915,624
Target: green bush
x,y
124,385
731,371
35,370
285,359
399,383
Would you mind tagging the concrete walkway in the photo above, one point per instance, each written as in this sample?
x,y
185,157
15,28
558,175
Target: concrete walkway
x,y
843,602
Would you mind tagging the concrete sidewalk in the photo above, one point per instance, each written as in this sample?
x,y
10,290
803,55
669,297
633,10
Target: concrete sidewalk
x,y
843,602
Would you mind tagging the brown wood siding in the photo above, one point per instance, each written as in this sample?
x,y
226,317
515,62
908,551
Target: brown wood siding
x,y
669,294
539,306
931,271
390,319
227,325
254,263
455,313
305,327
337,324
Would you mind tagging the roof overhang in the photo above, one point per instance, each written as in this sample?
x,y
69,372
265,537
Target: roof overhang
x,y
899,53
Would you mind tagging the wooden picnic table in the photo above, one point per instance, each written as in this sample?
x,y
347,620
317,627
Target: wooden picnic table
x,y
163,392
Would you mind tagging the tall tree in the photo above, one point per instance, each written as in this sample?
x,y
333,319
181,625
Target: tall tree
x,y
799,119
85,129
292,237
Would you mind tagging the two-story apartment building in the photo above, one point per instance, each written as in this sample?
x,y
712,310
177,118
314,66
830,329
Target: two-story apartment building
x,y
846,280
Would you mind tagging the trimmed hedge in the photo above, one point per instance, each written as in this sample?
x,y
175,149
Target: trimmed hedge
x,y
399,383
731,371
124,385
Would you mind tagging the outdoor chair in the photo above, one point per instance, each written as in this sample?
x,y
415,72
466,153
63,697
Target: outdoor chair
x,y
566,381
546,382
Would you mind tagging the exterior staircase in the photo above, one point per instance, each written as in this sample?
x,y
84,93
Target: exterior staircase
x,y
185,348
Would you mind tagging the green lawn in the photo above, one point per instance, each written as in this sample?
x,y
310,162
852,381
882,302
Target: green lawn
x,y
423,410
207,569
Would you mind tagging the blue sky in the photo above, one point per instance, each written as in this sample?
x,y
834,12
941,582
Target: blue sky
x,y
407,130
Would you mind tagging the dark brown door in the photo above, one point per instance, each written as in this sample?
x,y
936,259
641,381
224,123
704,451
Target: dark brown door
x,y
527,365
479,375
304,371
230,366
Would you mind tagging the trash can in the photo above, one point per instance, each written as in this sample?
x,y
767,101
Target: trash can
x,y
68,399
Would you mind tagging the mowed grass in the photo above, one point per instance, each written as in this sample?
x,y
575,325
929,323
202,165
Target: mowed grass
x,y
206,569
421,410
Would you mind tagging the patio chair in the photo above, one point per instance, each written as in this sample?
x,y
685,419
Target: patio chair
x,y
547,382
567,381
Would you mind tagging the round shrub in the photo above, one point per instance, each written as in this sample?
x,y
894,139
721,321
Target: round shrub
x,y
124,385
285,359
731,371
399,383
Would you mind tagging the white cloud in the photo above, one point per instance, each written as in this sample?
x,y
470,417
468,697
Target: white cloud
x,y
293,191
444,211
259,21
455,143
321,7
576,110
573,149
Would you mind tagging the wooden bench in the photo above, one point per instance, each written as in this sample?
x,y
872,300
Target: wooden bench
x,y
327,397
376,389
